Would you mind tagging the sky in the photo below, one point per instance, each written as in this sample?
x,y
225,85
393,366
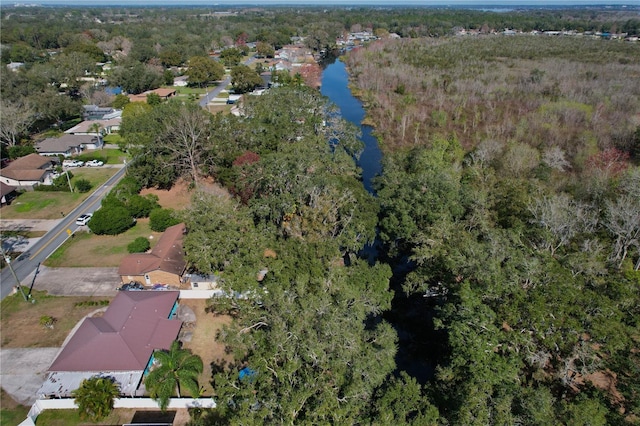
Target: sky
x,y
472,3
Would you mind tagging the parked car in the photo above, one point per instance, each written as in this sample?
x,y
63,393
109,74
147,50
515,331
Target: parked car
x,y
131,286
72,163
84,219
94,163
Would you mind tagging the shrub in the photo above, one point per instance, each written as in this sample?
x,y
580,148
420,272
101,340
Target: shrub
x,y
47,321
139,245
140,206
161,219
111,221
83,185
60,184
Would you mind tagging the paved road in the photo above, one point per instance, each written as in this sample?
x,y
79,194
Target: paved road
x,y
26,264
210,96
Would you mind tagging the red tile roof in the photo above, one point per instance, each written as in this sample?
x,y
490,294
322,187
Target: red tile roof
x,y
134,325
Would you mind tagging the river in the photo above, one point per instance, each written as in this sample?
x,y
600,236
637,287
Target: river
x,y
411,316
335,86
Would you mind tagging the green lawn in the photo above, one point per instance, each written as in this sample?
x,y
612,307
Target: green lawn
x,y
86,249
13,416
108,156
49,205
72,418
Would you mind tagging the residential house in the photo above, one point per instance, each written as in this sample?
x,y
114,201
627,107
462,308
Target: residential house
x,y
28,171
94,112
103,126
164,264
7,193
68,145
162,92
118,344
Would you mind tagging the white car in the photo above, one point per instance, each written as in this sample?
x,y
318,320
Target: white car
x,y
72,163
94,163
84,219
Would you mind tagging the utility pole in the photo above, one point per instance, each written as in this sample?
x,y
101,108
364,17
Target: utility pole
x,y
8,260
66,172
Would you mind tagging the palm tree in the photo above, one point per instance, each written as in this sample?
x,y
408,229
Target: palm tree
x,y
97,127
178,368
95,396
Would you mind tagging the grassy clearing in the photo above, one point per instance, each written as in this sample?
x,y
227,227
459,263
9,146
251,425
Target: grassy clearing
x,y
224,108
21,326
86,249
108,156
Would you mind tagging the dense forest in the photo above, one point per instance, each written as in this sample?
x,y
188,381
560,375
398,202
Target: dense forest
x,y
511,182
508,209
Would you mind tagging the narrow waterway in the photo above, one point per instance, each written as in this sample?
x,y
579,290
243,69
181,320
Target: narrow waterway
x,y
335,86
411,316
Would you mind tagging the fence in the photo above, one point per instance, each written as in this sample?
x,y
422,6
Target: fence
x,y
69,404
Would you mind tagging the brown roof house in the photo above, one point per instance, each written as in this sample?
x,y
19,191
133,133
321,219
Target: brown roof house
x,y
68,145
118,344
164,93
7,193
164,264
28,171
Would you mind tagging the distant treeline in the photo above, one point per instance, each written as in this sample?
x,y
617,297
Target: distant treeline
x,y
27,32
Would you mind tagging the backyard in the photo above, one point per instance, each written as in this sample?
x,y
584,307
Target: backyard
x,y
203,341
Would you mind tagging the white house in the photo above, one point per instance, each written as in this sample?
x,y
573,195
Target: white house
x,y
28,171
68,145
93,127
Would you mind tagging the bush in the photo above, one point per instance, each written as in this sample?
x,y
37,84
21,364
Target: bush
x,y
111,221
140,206
161,219
83,185
60,184
139,245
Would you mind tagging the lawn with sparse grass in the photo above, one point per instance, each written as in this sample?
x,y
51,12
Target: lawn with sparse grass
x,y
21,327
87,250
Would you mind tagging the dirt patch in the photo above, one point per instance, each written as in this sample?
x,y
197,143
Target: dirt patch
x,y
179,196
203,341
20,320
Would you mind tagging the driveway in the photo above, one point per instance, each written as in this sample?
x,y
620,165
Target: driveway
x,y
76,281
22,371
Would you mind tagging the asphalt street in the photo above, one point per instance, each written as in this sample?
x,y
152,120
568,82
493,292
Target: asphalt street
x,y
23,267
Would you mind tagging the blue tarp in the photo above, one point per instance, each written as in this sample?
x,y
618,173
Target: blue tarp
x,y
247,374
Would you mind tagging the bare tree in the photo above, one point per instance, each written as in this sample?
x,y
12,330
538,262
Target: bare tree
x,y
561,218
15,119
185,136
554,157
622,220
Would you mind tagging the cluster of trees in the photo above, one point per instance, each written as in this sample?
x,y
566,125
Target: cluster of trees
x,y
510,184
121,207
513,190
61,46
